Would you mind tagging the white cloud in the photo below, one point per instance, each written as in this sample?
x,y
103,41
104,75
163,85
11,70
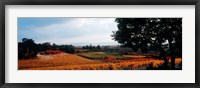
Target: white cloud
x,y
86,40
78,30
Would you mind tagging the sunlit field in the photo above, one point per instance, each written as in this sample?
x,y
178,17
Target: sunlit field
x,y
65,61
99,43
100,55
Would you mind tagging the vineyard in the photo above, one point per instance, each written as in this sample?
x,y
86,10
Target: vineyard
x,y
100,55
90,61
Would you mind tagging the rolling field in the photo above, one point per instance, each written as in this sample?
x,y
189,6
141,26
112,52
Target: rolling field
x,y
100,55
54,60
65,61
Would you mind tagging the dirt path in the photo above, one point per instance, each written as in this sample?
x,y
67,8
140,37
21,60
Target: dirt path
x,y
53,56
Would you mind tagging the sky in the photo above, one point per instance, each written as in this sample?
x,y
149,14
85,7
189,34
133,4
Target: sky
x,y
73,31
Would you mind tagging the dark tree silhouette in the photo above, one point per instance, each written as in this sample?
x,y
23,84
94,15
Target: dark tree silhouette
x,y
130,33
167,30
141,33
92,48
98,47
46,45
27,48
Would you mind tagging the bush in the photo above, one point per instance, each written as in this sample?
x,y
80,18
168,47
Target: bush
x,y
47,52
109,58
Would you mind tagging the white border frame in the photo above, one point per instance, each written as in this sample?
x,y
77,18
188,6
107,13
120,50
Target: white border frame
x,y
187,75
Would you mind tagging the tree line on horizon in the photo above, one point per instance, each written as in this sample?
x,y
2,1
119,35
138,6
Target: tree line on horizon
x,y
27,48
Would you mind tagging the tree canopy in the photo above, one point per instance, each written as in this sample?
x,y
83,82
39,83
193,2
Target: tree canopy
x,y
142,33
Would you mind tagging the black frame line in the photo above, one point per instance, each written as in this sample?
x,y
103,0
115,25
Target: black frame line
x,y
3,3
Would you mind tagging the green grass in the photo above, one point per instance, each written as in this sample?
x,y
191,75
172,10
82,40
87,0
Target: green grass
x,y
101,55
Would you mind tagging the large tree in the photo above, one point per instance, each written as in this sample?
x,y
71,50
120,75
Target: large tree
x,y
27,48
141,33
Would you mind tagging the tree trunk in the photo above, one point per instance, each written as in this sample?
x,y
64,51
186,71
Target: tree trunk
x,y
172,55
163,56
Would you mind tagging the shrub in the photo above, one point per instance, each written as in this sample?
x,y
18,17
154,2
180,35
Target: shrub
x,y
109,58
47,52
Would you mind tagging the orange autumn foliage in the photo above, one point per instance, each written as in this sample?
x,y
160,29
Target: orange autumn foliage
x,y
65,61
109,58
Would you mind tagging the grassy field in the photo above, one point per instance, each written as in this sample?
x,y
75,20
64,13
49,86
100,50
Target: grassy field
x,y
66,61
101,55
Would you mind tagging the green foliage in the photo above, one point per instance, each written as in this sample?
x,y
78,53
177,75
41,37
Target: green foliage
x,y
144,33
67,48
92,48
101,55
27,48
140,33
